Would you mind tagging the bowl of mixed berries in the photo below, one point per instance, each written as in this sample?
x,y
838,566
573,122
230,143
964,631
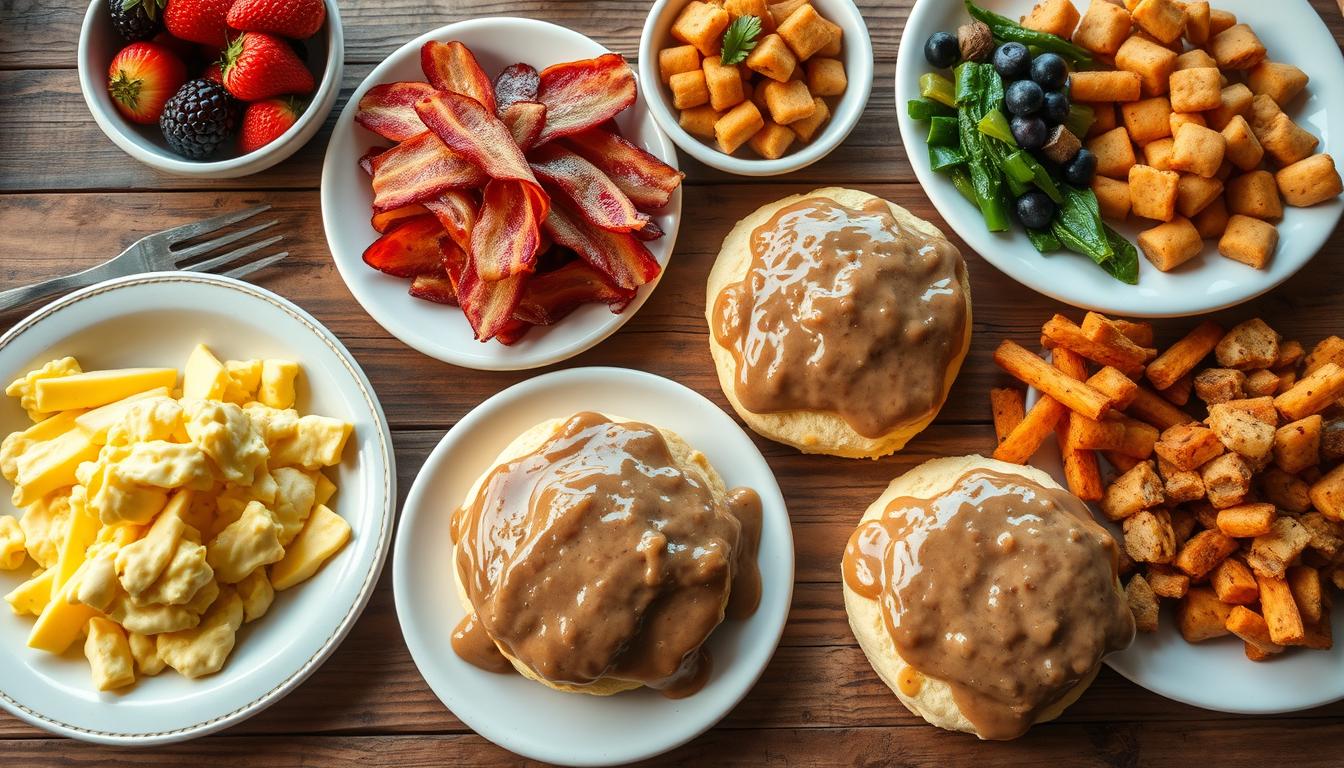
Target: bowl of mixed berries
x,y
210,88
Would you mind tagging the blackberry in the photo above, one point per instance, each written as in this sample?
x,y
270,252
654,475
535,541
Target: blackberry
x,y
199,118
136,19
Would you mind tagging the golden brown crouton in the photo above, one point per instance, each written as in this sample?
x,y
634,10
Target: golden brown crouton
x,y
1227,480
1281,82
1218,385
1136,490
1242,433
1237,48
1310,181
1142,603
1248,345
1149,537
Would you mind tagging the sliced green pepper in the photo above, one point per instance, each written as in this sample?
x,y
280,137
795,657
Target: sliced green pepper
x,y
923,109
996,125
934,86
943,132
942,158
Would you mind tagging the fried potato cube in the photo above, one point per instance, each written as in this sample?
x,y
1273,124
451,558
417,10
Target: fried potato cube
x,y
1261,115
674,61
1281,614
1227,480
1327,536
789,102
1241,432
702,25
1328,350
1163,19
1166,581
1327,494
1234,583
1149,537
773,58
1250,344
805,31
1285,491
1138,440
836,46
1104,86
1203,552
1136,490
1250,241
1153,64
826,77
1104,117
1103,28
1171,244
1255,194
1253,630
1305,584
806,129
1153,195
737,126
1262,383
1198,150
1182,486
1313,393
1196,89
1309,181
1220,20
1281,82
1237,47
758,8
1058,17
1112,196
689,89
1261,408
1196,58
1198,18
699,121
1246,521
1142,603
1287,142
1115,153
1219,385
1147,120
1271,553
1157,154
1178,119
1188,446
1179,393
724,83
1194,193
1201,615
784,9
1235,99
1243,149
772,141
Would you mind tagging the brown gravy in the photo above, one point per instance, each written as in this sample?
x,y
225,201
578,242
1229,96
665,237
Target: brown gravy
x,y
844,310
1001,587
597,557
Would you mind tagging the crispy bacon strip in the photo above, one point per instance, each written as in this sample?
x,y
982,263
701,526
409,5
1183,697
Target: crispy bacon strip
x,y
385,221
366,159
408,250
453,67
513,332
621,257
419,169
489,306
389,110
646,180
549,297
650,230
456,210
436,288
595,195
518,82
582,94
525,121
507,235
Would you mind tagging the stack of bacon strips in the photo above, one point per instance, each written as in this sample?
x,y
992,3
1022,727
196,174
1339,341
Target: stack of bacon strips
x,y
516,200
1238,517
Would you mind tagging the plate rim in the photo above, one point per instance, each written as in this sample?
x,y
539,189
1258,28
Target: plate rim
x,y
385,527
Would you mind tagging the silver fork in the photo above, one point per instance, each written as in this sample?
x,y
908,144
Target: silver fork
x,y
155,253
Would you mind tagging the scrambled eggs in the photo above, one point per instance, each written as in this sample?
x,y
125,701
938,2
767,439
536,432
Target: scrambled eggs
x,y
163,518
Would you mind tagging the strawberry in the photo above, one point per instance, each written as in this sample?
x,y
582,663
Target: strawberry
x,y
297,19
258,66
141,78
200,21
266,121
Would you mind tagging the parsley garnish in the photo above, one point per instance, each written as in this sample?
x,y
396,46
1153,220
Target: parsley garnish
x,y
739,39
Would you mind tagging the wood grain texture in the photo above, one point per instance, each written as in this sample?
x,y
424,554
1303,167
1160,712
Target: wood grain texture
x,y
818,703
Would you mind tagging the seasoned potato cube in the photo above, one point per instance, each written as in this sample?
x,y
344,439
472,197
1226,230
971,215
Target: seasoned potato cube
x,y
1305,583
1101,86
1280,82
1219,385
1153,64
702,25
1212,221
1261,115
1142,601
1103,118
1220,20
674,61
1195,90
1138,489
1243,149
1197,21
1115,153
805,31
1194,193
1249,345
1234,583
1201,615
1261,408
1196,58
1227,480
689,89
1157,154
1058,17
1271,553
1310,181
1287,142
1242,432
1235,100
1103,28
737,126
1198,150
789,102
772,141
1171,244
1153,192
1250,241
1297,445
1237,48
1203,552
1262,383
1148,119
1255,194
784,9
1149,537
807,128
773,58
758,8
1188,446
1178,119
836,45
1163,19
699,121
826,77
1166,581
724,84
1112,197
1246,521
1327,494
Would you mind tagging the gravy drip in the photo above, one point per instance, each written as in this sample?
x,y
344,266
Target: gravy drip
x,y
597,557
1001,587
844,310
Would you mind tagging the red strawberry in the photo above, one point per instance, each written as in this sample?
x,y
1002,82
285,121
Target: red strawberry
x,y
141,78
200,21
297,19
266,121
258,66
215,74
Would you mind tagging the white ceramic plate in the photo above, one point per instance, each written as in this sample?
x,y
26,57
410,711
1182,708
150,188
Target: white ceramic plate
x,y
1216,674
155,320
438,331
527,717
1293,33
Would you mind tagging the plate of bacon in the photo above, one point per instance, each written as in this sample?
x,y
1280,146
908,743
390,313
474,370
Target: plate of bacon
x,y
500,214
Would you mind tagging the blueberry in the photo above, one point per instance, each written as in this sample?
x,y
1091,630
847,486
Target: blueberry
x,y
1049,71
942,50
1030,132
1023,98
1081,169
1013,61
1036,210
1055,110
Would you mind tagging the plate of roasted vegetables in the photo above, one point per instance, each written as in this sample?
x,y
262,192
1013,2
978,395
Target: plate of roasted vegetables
x,y
1155,159
496,195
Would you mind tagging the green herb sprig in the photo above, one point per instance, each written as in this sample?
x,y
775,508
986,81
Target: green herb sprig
x,y
740,39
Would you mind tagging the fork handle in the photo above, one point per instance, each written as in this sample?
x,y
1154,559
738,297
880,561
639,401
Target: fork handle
x,y
17,297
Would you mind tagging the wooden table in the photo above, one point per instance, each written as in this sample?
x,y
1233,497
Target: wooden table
x,y
70,198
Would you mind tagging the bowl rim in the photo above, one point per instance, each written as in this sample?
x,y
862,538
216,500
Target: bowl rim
x,y
848,113
309,123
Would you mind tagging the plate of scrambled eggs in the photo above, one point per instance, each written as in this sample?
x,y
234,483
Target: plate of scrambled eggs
x,y
202,494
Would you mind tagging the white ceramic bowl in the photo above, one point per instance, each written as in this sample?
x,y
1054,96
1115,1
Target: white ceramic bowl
x,y
439,331
1293,33
156,319
524,716
858,57
99,42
